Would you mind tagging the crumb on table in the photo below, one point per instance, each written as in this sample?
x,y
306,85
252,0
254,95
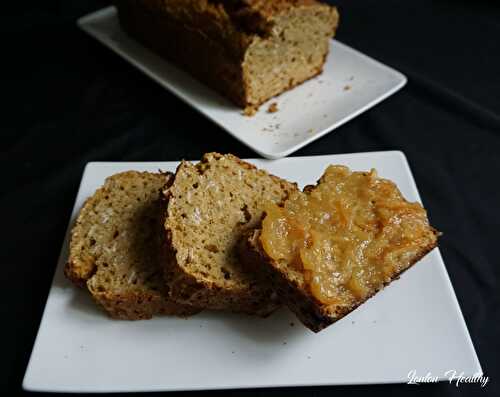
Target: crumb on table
x,y
347,87
273,108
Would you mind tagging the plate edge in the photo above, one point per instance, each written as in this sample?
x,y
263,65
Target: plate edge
x,y
25,383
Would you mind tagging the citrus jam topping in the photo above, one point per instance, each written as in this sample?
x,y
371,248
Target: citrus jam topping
x,y
348,236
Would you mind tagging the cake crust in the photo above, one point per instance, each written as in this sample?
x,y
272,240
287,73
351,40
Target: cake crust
x,y
229,44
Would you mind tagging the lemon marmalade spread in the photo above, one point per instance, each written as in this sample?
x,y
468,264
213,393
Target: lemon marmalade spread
x,y
348,236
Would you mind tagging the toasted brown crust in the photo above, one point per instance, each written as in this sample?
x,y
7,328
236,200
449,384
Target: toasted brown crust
x,y
81,267
131,306
231,23
309,310
73,272
216,66
252,297
141,306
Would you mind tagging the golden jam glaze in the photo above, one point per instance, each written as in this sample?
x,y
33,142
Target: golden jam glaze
x,y
348,236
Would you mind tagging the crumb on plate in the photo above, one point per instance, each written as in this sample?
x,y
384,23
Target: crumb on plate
x,y
273,108
249,111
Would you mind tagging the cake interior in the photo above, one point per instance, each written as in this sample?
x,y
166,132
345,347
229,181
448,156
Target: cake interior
x,y
294,51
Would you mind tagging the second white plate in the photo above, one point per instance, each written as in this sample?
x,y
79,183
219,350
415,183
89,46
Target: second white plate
x,y
351,83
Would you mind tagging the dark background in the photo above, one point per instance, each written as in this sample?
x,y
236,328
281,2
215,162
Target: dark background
x,y
67,100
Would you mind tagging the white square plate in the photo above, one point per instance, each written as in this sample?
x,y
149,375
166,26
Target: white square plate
x,y
350,84
414,324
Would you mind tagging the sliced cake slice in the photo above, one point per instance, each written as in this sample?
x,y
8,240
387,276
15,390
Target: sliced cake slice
x,y
114,248
208,207
328,249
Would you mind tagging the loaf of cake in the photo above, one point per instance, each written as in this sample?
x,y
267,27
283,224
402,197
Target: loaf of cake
x,y
247,50
208,208
328,249
114,248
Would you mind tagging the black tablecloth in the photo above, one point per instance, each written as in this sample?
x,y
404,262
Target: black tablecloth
x,y
68,100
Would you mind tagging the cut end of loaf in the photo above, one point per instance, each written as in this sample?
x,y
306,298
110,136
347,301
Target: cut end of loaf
x,y
294,51
249,51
